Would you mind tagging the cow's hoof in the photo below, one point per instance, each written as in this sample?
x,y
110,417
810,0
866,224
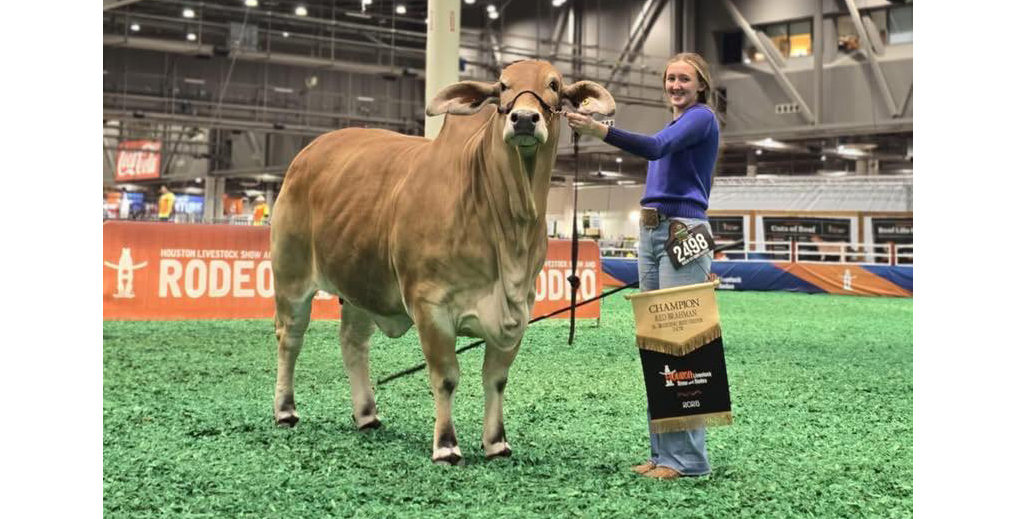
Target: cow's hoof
x,y
371,423
448,456
498,450
286,420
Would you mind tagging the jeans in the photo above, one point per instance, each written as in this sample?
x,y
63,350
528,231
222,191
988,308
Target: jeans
x,y
683,451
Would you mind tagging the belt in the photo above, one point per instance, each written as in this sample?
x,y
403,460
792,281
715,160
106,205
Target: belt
x,y
650,217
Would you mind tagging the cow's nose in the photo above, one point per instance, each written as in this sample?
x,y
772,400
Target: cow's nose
x,y
524,121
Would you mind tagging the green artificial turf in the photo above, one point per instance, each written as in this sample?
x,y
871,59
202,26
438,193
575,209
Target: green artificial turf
x,y
821,390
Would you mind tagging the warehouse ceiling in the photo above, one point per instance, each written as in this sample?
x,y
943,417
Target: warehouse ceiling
x,y
306,27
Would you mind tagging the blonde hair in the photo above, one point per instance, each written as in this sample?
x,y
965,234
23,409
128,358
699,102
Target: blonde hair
x,y
706,96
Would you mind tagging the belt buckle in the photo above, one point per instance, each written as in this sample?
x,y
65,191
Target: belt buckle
x,y
650,217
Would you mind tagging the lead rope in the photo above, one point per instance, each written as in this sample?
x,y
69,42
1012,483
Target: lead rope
x,y
573,278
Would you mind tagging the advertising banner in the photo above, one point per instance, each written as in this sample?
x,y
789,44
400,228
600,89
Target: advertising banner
x,y
137,160
553,291
897,230
783,228
727,228
681,351
166,271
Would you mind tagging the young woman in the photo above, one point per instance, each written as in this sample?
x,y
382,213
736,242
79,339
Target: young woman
x,y
678,180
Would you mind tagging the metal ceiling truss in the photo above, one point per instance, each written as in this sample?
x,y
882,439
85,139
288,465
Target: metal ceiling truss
x,y
648,15
773,58
868,47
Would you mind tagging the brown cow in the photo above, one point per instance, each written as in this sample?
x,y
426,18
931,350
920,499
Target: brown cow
x,y
447,234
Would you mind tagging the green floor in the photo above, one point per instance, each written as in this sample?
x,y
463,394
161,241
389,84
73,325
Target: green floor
x,y
821,388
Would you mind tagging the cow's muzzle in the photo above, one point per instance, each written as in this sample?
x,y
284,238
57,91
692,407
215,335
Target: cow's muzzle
x,y
524,122
525,128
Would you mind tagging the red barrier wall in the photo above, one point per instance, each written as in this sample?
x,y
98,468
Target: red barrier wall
x,y
164,271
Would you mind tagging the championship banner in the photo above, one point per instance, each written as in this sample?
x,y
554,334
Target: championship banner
x,y
137,160
677,331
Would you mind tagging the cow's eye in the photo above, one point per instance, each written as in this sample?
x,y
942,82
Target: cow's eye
x,y
553,86
503,87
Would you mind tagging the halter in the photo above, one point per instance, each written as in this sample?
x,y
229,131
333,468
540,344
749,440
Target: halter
x,y
546,107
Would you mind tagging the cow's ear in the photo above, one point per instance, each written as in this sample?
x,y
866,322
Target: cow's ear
x,y
589,98
464,98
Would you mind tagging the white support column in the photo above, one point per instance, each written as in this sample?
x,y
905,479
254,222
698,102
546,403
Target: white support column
x,y
443,38
818,59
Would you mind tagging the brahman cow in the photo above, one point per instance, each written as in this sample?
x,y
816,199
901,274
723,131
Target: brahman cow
x,y
447,234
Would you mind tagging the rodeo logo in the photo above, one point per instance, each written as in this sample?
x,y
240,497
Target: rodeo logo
x,y
125,274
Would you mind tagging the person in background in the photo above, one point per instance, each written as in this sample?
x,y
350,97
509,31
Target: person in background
x,y
166,205
124,206
261,211
681,158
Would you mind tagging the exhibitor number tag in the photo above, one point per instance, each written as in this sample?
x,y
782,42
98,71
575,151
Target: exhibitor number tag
x,y
686,244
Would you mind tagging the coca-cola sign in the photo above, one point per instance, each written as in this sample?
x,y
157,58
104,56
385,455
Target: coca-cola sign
x,y
137,160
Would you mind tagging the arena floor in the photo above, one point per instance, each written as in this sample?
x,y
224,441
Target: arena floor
x,y
821,387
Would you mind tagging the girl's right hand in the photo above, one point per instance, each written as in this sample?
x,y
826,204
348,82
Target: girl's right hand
x,y
585,125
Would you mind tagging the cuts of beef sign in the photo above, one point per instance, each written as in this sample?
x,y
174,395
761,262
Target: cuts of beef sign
x,y
779,228
678,334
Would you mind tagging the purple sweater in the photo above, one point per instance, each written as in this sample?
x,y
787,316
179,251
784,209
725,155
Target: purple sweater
x,y
681,159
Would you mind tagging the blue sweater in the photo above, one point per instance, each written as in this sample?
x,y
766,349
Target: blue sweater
x,y
681,159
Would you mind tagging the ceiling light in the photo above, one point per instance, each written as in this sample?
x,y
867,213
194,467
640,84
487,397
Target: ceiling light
x,y
491,8
286,34
470,2
759,152
135,27
400,9
251,3
191,36
558,3
618,160
823,157
494,15
188,13
301,11
367,2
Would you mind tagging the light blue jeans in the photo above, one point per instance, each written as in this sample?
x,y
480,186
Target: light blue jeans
x,y
684,451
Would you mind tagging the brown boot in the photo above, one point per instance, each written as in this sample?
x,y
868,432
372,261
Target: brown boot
x,y
644,468
662,472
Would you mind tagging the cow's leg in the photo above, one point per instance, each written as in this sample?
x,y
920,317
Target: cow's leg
x,y
356,329
291,320
495,367
438,347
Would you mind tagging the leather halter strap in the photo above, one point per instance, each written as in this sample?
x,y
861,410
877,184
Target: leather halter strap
x,y
510,105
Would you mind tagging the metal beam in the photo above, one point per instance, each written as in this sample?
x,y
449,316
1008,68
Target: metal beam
x,y
640,29
498,57
908,95
114,4
782,79
867,47
194,49
558,34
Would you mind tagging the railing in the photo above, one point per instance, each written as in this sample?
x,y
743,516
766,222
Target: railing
x,y
239,219
804,252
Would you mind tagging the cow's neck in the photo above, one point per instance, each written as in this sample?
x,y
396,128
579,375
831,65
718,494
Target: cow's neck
x,y
512,190
506,177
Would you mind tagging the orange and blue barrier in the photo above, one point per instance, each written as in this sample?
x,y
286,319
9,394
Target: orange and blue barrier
x,y
812,278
